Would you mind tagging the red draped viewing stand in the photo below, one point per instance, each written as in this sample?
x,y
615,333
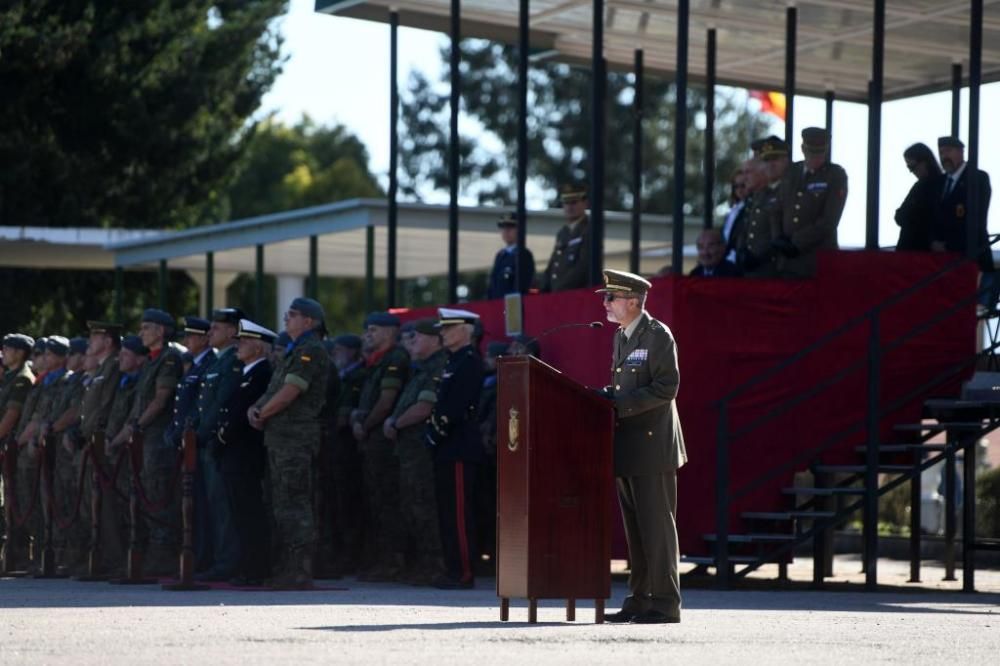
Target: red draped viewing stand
x,y
730,330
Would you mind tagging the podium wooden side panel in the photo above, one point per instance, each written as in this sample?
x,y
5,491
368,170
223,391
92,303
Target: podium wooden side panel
x,y
555,483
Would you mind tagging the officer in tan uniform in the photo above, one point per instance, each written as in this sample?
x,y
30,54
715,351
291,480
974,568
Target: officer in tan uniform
x,y
813,194
569,264
754,255
648,450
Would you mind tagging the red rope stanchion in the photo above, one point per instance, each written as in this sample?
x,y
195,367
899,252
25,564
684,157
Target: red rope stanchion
x,y
186,574
95,451
46,464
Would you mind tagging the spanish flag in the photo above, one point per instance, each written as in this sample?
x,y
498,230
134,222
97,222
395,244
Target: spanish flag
x,y
770,102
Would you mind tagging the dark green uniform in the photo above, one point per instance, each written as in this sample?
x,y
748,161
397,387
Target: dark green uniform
x,y
385,538
114,504
416,472
159,460
347,472
71,541
29,459
813,204
761,225
14,393
292,438
569,264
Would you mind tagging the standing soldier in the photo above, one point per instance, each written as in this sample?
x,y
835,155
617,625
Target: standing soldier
x,y
347,469
648,450
405,427
813,194
323,565
453,434
242,458
486,486
569,265
761,222
151,414
388,368
510,263
132,357
186,392
14,389
216,554
289,415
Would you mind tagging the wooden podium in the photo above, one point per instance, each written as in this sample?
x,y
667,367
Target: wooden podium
x,y
554,488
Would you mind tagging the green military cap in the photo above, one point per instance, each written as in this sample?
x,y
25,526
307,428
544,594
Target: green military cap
x,y
815,140
950,142
228,316
426,326
104,327
773,148
19,341
623,282
507,220
572,191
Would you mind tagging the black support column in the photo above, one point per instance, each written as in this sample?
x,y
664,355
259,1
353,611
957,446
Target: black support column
x,y
390,269
875,125
522,137
258,284
209,284
637,101
453,150
828,98
598,92
680,136
791,32
956,98
710,130
312,287
973,240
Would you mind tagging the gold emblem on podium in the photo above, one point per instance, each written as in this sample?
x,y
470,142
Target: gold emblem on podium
x,y
512,429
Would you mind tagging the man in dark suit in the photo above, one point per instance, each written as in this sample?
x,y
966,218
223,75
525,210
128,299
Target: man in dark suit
x,y
648,450
712,261
239,448
813,193
949,227
512,261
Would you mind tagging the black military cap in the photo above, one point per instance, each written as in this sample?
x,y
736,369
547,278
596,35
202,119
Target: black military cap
x,y
381,319
451,316
507,220
572,191
104,327
496,348
156,316
623,282
19,341
133,343
57,344
815,140
950,142
308,307
228,316
196,326
39,347
78,345
757,144
773,148
249,329
426,326
348,340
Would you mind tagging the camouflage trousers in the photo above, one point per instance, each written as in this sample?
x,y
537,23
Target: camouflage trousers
x,y
417,504
160,510
72,503
385,540
290,459
28,491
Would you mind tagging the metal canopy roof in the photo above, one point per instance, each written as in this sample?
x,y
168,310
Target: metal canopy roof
x,y
341,229
923,37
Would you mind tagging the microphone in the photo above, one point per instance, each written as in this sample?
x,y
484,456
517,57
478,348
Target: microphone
x,y
560,327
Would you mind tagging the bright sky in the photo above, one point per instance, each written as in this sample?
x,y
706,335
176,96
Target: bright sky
x,y
338,71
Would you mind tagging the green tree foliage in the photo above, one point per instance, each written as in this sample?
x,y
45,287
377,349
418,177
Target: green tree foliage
x,y
298,166
559,132
127,114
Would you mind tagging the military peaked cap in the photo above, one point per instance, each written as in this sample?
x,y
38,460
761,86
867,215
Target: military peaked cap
x,y
507,220
449,316
104,327
621,281
196,325
228,316
574,191
815,140
426,326
773,148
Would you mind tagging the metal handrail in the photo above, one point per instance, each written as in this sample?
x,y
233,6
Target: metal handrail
x,y
870,423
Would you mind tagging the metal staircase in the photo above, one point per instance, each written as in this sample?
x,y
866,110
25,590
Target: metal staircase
x,y
840,491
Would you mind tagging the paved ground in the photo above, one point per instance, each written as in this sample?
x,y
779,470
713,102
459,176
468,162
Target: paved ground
x,y
96,623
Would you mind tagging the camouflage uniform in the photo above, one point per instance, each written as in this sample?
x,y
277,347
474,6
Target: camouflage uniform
x,y
30,486
347,473
385,537
323,480
68,485
292,438
416,472
159,459
14,393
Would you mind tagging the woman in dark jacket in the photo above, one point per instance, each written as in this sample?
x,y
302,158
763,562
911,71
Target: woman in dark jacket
x,y
915,213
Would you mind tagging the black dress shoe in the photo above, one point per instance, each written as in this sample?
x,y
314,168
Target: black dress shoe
x,y
450,583
621,616
655,617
